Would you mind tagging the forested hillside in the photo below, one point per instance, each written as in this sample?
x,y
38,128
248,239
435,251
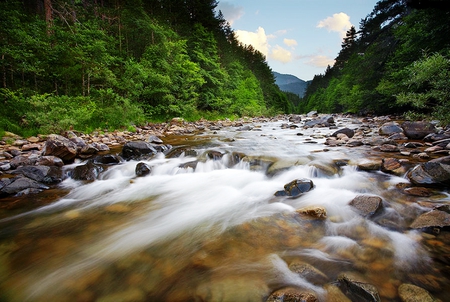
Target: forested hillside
x,y
88,64
399,61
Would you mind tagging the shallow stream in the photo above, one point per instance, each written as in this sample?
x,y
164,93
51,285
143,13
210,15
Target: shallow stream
x,y
212,229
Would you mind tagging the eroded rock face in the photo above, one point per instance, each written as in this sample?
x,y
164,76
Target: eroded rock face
x,y
418,130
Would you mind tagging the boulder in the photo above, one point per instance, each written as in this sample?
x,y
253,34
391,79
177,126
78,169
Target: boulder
x,y
418,130
313,212
325,121
22,160
137,150
296,188
43,174
430,173
309,272
142,169
390,128
59,146
413,293
154,139
366,205
89,171
392,166
107,159
349,132
432,219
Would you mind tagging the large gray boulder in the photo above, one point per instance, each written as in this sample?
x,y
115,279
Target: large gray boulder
x,y
138,150
418,130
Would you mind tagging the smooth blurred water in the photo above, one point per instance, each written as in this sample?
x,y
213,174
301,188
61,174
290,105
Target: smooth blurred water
x,y
213,233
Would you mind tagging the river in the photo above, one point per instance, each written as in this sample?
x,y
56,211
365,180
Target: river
x,y
207,227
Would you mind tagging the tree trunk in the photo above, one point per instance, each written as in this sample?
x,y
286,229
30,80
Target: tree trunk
x,y
48,15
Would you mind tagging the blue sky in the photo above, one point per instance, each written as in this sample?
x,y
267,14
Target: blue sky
x,y
299,37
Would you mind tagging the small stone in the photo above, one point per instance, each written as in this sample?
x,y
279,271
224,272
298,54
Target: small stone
x,y
413,293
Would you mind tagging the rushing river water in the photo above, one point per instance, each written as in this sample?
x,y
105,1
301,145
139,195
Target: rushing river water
x,y
213,230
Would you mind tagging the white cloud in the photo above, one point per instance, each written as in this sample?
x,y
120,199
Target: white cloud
x,y
320,61
257,39
281,54
338,23
230,12
290,42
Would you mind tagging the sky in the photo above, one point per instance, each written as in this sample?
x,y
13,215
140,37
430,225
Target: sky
x,y
298,37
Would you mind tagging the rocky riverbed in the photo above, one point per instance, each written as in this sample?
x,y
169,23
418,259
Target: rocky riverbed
x,y
417,152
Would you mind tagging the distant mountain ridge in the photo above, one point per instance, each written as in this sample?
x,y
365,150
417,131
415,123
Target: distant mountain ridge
x,y
290,83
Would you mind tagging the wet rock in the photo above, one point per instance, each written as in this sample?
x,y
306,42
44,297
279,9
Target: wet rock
x,y
43,174
354,143
214,155
370,165
29,147
413,293
314,212
430,173
22,160
432,219
107,159
309,272
292,294
418,130
295,119
191,164
311,114
393,166
417,191
49,160
245,128
389,148
137,150
21,183
88,171
59,146
325,121
390,128
142,169
397,137
230,289
154,139
358,291
178,151
349,132
296,188
101,147
366,205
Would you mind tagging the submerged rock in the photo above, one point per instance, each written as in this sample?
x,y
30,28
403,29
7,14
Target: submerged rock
x,y
292,294
413,293
358,291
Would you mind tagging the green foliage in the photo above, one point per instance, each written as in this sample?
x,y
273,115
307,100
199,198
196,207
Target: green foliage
x,y
427,87
114,64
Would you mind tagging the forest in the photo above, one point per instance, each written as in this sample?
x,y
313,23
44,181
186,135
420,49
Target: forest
x,y
115,64
110,64
398,62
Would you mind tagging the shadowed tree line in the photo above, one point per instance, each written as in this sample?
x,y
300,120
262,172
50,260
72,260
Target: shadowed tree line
x,y
91,64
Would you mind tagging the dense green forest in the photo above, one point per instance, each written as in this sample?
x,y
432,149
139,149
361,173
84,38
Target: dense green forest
x,y
107,64
398,62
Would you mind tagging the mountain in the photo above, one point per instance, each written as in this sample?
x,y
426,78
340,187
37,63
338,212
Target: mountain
x,y
290,83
